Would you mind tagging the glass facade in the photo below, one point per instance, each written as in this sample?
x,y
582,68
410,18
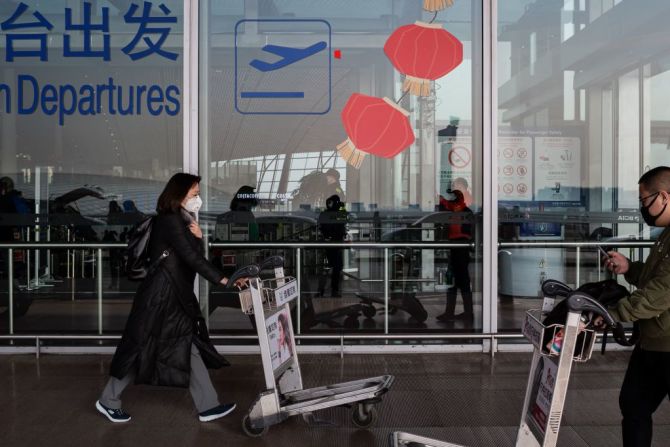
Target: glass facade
x,y
287,152
582,105
91,129
93,119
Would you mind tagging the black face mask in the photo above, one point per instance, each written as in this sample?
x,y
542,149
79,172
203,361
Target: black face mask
x,y
650,219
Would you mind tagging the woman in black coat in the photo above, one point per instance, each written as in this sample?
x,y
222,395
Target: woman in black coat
x,y
165,341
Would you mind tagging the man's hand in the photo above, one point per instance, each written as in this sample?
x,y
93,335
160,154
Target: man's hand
x,y
599,323
616,262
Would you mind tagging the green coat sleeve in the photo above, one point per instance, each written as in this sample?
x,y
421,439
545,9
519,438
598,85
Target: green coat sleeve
x,y
633,273
649,301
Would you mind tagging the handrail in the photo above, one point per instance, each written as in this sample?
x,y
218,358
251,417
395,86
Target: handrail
x,y
378,245
565,244
380,336
342,337
515,244
299,246
70,245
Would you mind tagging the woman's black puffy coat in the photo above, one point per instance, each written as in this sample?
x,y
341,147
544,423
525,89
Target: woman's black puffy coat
x,y
156,342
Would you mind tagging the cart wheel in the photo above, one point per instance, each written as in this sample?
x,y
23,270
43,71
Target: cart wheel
x,y
251,431
351,322
369,311
363,418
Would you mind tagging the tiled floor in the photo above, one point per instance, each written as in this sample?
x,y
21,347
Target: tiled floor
x,y
462,398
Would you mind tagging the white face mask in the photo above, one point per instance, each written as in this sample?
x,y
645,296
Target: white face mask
x,y
193,204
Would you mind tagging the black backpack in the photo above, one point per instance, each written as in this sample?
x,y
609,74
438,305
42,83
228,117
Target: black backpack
x,y
137,253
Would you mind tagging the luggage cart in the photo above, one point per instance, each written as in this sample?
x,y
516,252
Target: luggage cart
x,y
550,368
269,302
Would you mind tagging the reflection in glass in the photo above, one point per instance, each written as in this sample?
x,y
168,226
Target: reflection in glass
x,y
581,117
291,162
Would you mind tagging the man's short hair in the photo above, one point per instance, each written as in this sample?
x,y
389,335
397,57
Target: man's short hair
x,y
657,179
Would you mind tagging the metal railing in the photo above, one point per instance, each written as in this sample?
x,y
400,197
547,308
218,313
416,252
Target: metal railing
x,y
578,246
299,247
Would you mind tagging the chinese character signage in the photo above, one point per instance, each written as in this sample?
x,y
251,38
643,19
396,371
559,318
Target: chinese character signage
x,y
286,293
542,394
86,35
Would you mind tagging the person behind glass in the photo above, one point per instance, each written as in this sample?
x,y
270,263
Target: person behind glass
x,y
12,204
333,227
647,380
459,259
333,184
165,341
111,235
460,184
7,209
131,214
240,214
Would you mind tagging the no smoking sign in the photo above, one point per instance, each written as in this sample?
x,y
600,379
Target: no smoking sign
x,y
459,157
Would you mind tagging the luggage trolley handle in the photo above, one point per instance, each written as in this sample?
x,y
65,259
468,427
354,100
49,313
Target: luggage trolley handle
x,y
553,288
272,262
248,271
581,302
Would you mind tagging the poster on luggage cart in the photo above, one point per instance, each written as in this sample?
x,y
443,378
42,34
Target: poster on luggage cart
x,y
280,337
542,393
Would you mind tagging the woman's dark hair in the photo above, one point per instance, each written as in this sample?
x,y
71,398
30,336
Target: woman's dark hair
x,y
176,189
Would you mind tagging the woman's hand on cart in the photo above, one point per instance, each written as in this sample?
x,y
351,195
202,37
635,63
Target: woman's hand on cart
x,y
240,283
615,262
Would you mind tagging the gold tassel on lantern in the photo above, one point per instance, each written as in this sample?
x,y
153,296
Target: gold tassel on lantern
x,y
416,86
437,5
348,152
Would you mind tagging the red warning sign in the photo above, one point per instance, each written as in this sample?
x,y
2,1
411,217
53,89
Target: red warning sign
x,y
508,188
508,170
508,153
459,156
521,188
522,153
522,170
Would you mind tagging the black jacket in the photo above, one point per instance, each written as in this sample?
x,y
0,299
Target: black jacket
x,y
156,342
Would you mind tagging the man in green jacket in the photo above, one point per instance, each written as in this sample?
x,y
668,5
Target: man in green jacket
x,y
647,380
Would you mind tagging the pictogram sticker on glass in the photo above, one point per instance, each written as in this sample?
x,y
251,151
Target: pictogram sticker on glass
x,y
283,67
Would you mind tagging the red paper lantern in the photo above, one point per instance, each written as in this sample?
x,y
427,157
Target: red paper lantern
x,y
423,52
437,5
375,126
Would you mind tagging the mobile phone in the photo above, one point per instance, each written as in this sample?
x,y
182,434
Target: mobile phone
x,y
603,252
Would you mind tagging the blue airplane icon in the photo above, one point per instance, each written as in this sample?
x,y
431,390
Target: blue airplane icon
x,y
289,55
